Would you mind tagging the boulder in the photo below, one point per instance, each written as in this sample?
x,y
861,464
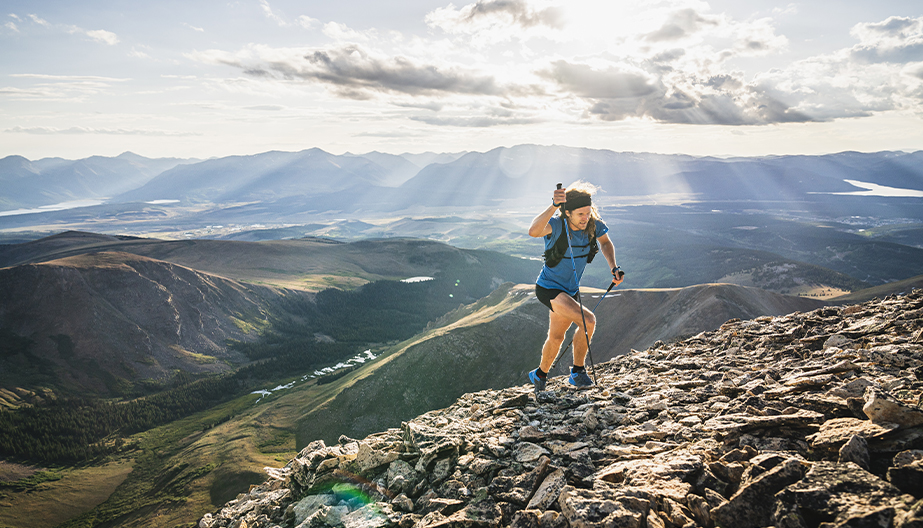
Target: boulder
x,y
881,407
839,493
748,508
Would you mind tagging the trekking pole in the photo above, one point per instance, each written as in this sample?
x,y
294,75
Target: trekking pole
x,y
563,350
577,280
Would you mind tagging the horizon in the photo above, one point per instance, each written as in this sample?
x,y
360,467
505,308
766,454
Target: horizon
x,y
359,154
211,79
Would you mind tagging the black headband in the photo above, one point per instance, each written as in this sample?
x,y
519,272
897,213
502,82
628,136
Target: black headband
x,y
581,200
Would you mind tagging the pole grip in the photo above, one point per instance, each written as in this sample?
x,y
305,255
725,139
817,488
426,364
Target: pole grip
x,y
560,185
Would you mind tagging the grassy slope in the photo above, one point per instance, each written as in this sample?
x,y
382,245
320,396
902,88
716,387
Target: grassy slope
x,y
305,264
77,490
880,291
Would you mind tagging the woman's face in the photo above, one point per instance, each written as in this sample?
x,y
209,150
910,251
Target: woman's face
x,y
578,218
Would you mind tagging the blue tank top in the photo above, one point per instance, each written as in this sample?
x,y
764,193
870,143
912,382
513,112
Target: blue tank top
x,y
561,277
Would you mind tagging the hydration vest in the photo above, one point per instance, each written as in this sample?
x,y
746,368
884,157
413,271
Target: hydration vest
x,y
554,255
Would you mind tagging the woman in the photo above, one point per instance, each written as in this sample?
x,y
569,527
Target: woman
x,y
557,285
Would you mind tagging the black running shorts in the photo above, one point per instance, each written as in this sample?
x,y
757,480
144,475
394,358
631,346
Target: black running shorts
x,y
545,295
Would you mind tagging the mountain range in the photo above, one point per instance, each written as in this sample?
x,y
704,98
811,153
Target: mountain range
x,y
314,180
52,180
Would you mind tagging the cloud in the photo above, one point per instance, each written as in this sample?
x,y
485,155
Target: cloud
x,y
896,39
497,20
194,28
307,22
917,72
86,130
354,72
613,82
482,121
72,88
71,78
675,67
342,32
266,108
623,91
401,132
790,9
103,36
39,21
12,26
431,105
267,10
681,24
138,54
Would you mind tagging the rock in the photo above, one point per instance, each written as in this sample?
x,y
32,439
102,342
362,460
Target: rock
x,y
748,508
855,450
530,433
402,503
907,473
844,494
401,477
659,476
519,489
483,514
912,518
700,509
369,516
899,440
741,422
834,433
527,452
444,506
368,459
549,491
590,422
538,519
881,407
591,509
520,400
676,514
310,504
905,458
852,389
837,341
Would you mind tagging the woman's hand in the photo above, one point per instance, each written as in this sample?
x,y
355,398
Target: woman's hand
x,y
560,196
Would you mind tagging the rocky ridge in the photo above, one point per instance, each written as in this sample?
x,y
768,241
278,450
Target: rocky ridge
x,y
806,420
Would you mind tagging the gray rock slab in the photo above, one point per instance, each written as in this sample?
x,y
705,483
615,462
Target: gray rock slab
x,y
882,407
836,432
749,507
839,493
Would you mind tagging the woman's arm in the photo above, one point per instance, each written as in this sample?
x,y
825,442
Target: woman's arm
x,y
540,226
607,248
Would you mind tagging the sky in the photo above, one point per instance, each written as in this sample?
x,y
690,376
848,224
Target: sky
x,y
216,78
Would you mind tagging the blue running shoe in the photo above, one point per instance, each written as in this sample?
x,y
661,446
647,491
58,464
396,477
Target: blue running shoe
x,y
537,381
579,379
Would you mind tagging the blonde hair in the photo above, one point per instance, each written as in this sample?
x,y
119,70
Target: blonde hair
x,y
582,189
